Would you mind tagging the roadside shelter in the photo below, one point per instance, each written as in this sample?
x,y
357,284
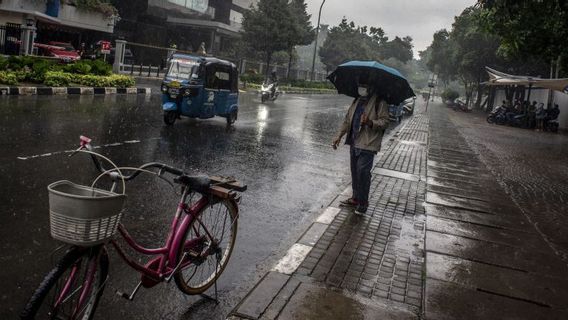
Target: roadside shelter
x,y
509,87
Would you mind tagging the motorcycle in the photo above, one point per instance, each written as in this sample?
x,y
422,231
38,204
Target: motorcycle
x,y
460,105
268,92
551,125
497,116
519,121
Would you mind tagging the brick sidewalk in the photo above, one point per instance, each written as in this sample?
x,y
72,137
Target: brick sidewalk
x,y
485,258
358,266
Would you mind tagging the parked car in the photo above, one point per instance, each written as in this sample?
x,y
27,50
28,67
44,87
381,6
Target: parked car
x,y
408,105
62,50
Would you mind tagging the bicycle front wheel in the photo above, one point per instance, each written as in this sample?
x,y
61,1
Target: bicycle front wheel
x,y
208,245
73,288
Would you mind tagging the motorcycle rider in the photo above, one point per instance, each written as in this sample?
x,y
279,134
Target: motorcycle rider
x,y
274,81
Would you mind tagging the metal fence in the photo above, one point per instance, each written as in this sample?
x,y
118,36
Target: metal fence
x,y
10,36
150,61
247,66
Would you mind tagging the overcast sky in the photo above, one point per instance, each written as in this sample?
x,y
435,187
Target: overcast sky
x,y
416,18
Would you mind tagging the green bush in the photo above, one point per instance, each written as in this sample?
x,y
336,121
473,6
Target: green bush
x,y
37,67
55,74
40,67
450,94
252,78
22,75
100,68
311,84
8,78
62,79
20,62
58,79
3,63
91,80
121,81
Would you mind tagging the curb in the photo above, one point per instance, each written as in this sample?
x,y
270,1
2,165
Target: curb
x,y
30,91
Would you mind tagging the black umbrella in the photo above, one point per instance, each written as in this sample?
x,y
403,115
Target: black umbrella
x,y
385,81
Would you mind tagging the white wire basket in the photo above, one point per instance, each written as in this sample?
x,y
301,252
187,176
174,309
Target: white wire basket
x,y
82,215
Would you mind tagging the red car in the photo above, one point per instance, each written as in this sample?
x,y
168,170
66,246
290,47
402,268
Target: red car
x,y
62,50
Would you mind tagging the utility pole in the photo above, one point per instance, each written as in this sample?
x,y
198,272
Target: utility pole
x,y
316,42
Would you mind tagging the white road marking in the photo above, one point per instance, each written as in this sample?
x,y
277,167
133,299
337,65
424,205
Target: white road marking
x,y
328,215
296,254
43,155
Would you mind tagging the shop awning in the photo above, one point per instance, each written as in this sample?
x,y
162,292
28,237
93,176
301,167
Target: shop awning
x,y
497,78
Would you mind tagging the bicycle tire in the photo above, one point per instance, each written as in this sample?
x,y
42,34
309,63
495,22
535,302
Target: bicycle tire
x,y
181,283
71,257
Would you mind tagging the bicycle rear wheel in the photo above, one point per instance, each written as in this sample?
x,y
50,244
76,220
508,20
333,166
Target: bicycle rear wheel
x,y
208,245
59,294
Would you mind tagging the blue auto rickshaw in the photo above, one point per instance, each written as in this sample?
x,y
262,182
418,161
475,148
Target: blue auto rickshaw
x,y
200,87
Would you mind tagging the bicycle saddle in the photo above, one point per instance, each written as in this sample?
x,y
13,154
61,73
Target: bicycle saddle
x,y
199,184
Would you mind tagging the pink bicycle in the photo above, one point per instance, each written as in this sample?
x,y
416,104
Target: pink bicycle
x,y
196,251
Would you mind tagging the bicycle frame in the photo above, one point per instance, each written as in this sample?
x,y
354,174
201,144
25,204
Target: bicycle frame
x,y
168,254
166,260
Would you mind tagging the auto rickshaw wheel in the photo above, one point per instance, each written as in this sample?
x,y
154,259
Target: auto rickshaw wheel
x,y
170,117
232,117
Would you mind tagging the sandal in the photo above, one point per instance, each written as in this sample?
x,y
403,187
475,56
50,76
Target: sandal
x,y
348,203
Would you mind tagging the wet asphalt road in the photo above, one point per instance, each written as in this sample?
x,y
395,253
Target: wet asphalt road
x,y
281,150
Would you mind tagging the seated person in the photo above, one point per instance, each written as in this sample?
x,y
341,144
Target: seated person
x,y
554,112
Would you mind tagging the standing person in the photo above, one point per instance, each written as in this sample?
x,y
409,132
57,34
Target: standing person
x,y
532,115
364,124
201,51
540,115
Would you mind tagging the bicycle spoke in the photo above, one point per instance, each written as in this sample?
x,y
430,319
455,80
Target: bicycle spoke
x,y
215,223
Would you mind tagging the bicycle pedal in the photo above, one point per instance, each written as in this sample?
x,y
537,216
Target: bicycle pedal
x,y
131,296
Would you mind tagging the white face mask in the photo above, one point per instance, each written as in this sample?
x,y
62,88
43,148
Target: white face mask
x,y
363,92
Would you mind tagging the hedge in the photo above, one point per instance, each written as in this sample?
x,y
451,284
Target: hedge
x,y
64,79
95,73
8,78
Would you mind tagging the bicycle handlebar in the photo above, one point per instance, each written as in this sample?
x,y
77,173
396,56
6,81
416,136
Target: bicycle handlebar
x,y
85,144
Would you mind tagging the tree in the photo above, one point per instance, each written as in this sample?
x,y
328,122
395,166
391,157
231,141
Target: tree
x,y
301,32
473,50
528,29
441,56
349,42
464,52
400,49
266,28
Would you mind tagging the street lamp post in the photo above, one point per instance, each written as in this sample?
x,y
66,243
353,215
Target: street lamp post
x,y
431,84
316,42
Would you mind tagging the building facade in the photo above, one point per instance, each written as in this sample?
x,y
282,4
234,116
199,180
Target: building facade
x,y
185,24
23,22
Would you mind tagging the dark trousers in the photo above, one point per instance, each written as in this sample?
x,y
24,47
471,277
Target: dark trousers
x,y
361,165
